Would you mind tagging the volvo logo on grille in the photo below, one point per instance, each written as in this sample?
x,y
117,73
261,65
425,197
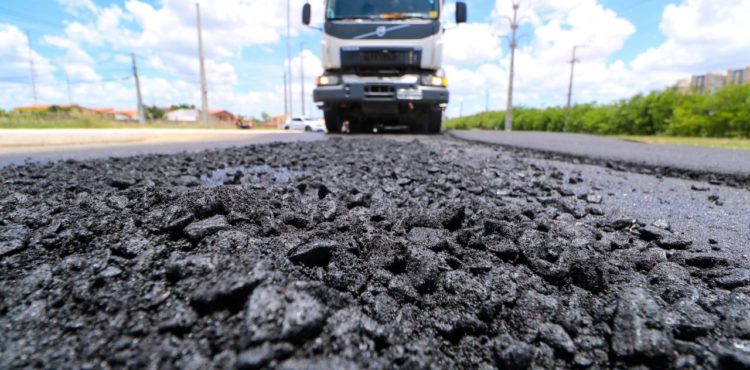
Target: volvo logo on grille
x,y
381,31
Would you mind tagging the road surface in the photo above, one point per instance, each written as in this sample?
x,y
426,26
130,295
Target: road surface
x,y
19,146
368,252
697,161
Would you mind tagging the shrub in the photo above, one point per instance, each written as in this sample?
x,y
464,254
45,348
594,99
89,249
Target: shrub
x,y
669,112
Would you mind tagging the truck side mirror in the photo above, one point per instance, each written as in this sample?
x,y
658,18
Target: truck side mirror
x,y
306,10
461,12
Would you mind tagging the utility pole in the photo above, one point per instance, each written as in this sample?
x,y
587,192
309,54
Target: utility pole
x,y
289,55
31,66
141,110
286,98
513,44
70,96
204,87
302,76
572,62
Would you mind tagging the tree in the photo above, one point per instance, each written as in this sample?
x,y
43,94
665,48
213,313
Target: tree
x,y
182,106
155,113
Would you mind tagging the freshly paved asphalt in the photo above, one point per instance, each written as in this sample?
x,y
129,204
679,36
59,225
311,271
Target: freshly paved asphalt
x,y
625,195
721,161
19,155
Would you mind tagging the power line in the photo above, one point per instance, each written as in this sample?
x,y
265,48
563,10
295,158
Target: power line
x,y
572,62
302,76
31,66
286,98
289,54
204,88
514,24
141,112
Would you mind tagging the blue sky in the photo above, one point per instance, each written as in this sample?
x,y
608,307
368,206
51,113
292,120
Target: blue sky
x,y
632,46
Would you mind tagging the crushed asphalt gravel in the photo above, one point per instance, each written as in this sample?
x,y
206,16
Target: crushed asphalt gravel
x,y
352,253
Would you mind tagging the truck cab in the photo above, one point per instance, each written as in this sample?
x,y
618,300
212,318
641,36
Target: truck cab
x,y
383,65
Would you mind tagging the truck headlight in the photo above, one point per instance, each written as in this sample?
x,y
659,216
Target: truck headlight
x,y
435,81
328,80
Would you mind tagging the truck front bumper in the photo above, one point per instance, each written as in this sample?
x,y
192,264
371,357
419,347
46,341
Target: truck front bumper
x,y
376,90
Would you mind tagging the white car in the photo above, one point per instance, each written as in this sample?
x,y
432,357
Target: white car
x,y
305,124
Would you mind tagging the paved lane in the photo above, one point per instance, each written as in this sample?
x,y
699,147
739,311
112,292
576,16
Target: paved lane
x,y
710,160
82,147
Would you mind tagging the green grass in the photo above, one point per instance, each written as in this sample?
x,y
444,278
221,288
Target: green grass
x,y
722,143
94,123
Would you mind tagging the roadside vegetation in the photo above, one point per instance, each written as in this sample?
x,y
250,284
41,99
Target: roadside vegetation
x,y
725,114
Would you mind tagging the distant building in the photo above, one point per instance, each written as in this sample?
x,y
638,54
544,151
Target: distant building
x,y
105,113
194,115
277,121
221,115
738,76
684,86
710,83
183,115
126,115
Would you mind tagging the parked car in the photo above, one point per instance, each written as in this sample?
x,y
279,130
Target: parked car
x,y
305,124
245,124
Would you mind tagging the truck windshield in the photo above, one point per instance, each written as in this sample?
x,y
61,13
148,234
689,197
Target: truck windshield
x,y
382,9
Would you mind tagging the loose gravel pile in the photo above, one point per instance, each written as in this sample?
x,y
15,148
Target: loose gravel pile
x,y
350,253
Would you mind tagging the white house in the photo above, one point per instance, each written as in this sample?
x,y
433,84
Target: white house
x,y
183,115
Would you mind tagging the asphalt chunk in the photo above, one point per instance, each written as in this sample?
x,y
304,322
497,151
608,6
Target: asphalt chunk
x,y
404,253
228,292
13,239
316,253
201,229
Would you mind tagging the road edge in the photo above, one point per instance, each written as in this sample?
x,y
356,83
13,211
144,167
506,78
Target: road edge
x,y
714,178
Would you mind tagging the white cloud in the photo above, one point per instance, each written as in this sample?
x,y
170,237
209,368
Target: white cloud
x,y
74,6
702,36
312,69
15,74
164,38
542,68
77,64
472,43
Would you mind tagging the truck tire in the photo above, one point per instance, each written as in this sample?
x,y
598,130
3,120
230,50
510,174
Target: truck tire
x,y
427,123
333,121
434,122
360,125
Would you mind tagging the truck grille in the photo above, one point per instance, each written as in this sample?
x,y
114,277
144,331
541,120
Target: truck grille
x,y
381,58
380,91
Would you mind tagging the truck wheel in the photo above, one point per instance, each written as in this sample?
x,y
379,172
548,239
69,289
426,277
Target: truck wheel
x,y
434,122
360,126
427,123
333,121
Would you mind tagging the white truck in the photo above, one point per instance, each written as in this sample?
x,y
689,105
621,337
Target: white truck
x,y
383,65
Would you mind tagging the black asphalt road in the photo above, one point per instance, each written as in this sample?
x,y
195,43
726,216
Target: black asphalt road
x,y
82,152
647,198
395,252
700,160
